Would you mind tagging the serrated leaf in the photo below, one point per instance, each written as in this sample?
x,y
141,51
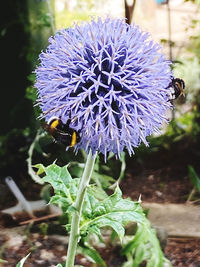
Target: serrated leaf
x,y
22,261
65,188
97,192
194,178
115,212
92,254
57,176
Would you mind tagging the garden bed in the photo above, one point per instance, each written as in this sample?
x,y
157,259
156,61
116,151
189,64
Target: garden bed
x,y
50,250
160,177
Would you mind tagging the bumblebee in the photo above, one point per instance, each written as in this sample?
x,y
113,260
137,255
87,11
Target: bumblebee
x,y
177,87
62,133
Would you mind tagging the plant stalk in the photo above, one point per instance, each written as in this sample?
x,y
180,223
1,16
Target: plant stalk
x,y
31,172
74,234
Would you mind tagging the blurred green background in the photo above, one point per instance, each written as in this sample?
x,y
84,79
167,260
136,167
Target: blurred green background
x,y
26,26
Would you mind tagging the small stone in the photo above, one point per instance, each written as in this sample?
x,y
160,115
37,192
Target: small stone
x,y
151,177
179,220
15,241
64,258
38,244
36,235
158,193
46,255
60,248
165,264
83,260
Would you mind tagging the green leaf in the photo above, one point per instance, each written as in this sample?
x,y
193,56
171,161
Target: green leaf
x,y
102,180
88,205
31,93
97,192
194,178
65,188
21,263
114,212
57,176
139,253
92,254
98,212
144,247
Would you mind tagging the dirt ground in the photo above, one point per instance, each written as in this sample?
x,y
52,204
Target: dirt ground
x,y
47,251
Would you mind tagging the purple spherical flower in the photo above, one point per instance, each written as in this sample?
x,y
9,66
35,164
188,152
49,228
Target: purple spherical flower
x,y
109,79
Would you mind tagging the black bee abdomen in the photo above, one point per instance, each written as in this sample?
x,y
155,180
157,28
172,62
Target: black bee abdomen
x,y
62,133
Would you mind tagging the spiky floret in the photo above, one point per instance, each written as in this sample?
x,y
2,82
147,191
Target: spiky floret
x,y
110,79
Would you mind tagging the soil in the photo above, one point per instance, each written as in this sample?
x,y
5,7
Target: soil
x,y
183,252
46,252
159,177
162,176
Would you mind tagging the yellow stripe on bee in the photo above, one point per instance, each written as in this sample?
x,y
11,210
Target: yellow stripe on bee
x,y
74,137
54,124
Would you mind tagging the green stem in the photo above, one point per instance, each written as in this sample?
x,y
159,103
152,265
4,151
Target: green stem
x,y
31,172
74,234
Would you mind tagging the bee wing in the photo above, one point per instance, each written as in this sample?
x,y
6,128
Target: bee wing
x,y
62,132
181,88
51,131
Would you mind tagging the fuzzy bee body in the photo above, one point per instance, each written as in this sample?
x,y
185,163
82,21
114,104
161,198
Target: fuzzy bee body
x,y
62,133
176,88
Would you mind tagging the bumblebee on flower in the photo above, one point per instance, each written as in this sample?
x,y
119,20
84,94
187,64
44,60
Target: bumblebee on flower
x,y
109,80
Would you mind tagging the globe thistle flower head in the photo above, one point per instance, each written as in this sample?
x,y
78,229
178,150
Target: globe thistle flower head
x,y
109,79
